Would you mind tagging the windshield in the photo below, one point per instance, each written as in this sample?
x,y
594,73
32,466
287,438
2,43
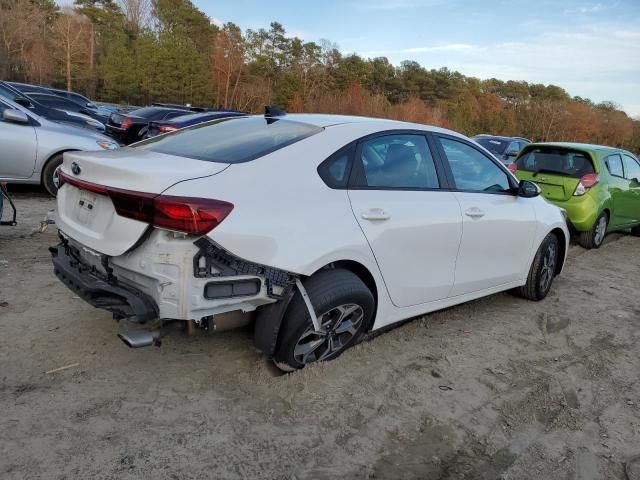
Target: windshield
x,y
231,140
494,145
560,161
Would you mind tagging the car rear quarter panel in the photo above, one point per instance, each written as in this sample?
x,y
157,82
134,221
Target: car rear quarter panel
x,y
284,215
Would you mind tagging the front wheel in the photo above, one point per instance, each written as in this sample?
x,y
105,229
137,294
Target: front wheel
x,y
50,174
344,306
542,271
594,237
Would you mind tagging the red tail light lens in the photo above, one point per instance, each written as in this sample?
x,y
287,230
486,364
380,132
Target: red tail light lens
x,y
513,168
586,182
126,123
167,128
191,215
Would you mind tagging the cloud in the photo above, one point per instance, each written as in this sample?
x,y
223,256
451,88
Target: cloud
x,y
452,47
398,4
596,8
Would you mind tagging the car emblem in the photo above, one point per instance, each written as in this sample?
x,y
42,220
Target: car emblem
x,y
75,168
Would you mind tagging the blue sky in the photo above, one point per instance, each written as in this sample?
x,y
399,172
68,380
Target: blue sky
x,y
591,49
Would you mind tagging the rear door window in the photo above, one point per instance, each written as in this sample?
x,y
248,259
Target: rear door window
x,y
614,165
400,161
556,161
231,140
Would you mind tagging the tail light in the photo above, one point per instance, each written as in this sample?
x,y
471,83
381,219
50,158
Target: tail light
x,y
586,182
191,215
126,123
513,168
167,128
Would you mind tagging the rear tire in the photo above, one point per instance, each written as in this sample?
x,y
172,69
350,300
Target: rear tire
x,y
345,307
594,237
542,271
49,174
635,231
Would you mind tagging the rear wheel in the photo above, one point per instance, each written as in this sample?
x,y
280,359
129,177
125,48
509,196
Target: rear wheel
x,y
594,237
344,306
635,231
50,174
542,271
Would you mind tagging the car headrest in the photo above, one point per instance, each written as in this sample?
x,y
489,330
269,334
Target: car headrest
x,y
398,153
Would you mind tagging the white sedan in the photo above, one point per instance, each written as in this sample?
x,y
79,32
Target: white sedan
x,y
318,228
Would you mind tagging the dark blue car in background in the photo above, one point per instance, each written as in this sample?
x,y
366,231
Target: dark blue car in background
x,y
505,149
176,123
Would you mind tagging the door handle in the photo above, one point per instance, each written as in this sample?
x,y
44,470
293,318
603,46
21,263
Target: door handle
x,y
376,214
474,212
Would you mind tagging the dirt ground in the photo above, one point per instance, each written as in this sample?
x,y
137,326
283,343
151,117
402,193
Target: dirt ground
x,y
500,388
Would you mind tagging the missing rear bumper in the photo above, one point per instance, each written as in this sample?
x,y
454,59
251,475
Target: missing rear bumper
x,y
105,293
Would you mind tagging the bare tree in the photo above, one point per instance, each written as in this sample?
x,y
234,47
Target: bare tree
x,y
137,13
73,37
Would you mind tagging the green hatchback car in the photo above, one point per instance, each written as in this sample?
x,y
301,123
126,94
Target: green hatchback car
x,y
598,186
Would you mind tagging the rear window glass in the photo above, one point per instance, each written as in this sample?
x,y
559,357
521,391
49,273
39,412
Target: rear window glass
x,y
494,145
231,140
569,163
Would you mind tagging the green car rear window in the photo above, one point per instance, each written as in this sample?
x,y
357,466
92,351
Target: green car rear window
x,y
558,161
231,140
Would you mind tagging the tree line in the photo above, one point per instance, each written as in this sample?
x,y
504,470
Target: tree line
x,y
142,51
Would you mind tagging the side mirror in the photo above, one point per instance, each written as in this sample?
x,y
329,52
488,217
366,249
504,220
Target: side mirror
x,y
512,153
23,102
528,189
635,182
15,116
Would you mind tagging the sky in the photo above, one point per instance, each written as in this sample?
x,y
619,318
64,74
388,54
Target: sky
x,y
591,49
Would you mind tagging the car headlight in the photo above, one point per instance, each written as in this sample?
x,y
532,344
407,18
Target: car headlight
x,y
107,145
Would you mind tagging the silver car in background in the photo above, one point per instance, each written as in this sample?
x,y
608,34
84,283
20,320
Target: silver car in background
x,y
31,146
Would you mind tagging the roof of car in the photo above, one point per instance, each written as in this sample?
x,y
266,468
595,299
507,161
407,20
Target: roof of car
x,y
501,137
327,120
578,146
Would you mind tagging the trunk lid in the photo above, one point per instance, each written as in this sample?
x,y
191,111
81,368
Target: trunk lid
x,y
90,217
556,169
553,187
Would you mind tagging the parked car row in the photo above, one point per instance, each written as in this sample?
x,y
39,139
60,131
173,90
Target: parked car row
x,y
133,126
341,225
31,145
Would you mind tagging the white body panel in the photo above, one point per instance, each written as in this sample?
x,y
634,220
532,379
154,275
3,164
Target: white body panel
x,y
416,245
428,255
497,237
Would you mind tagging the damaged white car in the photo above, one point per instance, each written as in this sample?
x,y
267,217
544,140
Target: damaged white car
x,y
318,228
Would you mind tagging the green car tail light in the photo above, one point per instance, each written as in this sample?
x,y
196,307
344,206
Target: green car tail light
x,y
586,182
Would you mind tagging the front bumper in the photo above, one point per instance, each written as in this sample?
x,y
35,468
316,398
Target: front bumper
x,y
105,293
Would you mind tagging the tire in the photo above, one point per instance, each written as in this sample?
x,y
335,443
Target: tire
x,y
542,271
341,300
635,231
594,237
49,174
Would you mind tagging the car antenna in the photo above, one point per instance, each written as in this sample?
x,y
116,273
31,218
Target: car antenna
x,y
270,111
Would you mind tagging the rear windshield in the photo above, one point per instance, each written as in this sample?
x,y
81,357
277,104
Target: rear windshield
x,y
494,145
150,112
231,140
569,163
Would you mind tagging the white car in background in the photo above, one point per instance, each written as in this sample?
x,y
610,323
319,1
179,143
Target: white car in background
x,y
325,226
31,146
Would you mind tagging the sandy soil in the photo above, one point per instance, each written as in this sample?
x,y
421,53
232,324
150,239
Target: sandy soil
x,y
497,388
